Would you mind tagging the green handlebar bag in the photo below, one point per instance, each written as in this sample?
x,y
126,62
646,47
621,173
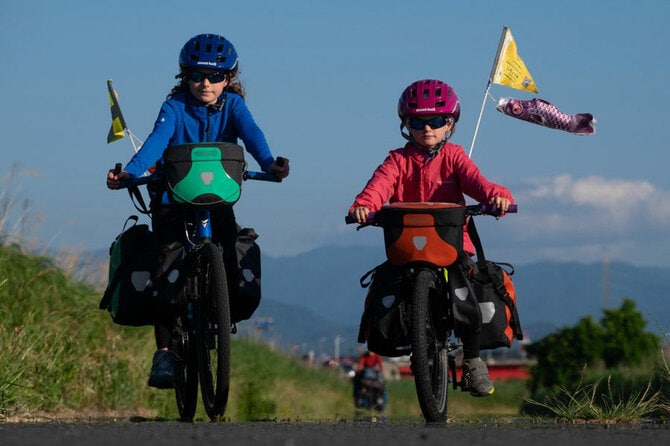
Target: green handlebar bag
x,y
204,174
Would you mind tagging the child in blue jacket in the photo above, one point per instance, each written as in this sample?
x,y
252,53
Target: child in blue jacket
x,y
207,105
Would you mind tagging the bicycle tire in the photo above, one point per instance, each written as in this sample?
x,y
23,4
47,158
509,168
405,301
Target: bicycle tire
x,y
186,369
429,353
212,316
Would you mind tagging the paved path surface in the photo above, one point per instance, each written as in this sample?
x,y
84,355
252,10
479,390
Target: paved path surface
x,y
325,434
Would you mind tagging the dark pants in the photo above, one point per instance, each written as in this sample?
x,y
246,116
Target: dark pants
x,y
168,223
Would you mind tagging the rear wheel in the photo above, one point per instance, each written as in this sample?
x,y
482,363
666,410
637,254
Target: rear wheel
x,y
212,317
429,350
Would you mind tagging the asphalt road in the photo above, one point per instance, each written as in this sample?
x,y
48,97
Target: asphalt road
x,y
323,434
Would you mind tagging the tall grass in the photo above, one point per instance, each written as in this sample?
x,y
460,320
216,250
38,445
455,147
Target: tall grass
x,y
58,352
600,402
609,395
17,218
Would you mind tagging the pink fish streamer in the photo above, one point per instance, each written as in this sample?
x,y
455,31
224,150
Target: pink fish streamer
x,y
538,111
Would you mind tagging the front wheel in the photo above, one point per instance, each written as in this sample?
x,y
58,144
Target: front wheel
x,y
186,370
212,316
429,349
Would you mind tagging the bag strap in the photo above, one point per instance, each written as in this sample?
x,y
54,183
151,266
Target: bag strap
x,y
138,200
365,276
477,242
514,321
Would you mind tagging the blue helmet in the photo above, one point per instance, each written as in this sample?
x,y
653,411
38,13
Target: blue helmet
x,y
208,51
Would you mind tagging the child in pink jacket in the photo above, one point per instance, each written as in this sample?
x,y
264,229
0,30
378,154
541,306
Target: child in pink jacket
x,y
430,168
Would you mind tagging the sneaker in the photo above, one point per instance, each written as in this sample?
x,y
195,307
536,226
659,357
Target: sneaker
x,y
162,369
476,377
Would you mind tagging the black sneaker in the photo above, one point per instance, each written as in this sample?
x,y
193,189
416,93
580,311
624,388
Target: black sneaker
x,y
476,377
162,369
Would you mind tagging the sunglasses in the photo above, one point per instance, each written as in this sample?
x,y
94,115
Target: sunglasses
x,y
434,123
214,77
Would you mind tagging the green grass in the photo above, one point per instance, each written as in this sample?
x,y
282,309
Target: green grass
x,y
591,402
62,358
622,395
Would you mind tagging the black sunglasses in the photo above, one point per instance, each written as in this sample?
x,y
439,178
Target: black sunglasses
x,y
214,77
434,123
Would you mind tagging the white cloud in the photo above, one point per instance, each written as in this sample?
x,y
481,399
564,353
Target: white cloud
x,y
591,218
616,203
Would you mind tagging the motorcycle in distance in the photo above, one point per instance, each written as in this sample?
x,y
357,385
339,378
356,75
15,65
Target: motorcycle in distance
x,y
370,389
425,240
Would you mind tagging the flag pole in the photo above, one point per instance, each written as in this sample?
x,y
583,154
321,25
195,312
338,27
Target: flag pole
x,y
132,138
496,61
481,111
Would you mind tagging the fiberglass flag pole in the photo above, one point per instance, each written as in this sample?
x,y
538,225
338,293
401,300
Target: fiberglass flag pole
x,y
509,70
119,126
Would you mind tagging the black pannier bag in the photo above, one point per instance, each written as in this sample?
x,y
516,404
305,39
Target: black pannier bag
x,y
248,298
170,278
133,257
493,286
383,323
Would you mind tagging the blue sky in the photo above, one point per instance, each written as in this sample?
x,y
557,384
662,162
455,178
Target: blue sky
x,y
323,80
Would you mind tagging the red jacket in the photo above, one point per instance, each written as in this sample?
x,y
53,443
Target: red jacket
x,y
370,359
408,174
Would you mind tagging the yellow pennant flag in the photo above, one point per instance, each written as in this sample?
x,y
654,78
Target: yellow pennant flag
x,y
508,68
118,123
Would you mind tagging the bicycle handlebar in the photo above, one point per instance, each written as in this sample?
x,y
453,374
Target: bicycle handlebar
x,y
247,175
474,209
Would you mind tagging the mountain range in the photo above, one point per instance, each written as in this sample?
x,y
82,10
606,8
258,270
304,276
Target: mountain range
x,y
312,302
317,295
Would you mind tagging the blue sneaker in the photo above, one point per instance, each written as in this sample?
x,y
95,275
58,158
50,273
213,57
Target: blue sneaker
x,y
162,369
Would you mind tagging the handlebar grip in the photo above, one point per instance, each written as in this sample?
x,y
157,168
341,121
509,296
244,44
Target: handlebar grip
x,y
261,176
117,169
371,217
490,209
281,161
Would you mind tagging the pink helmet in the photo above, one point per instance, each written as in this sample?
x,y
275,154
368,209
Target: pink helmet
x,y
428,97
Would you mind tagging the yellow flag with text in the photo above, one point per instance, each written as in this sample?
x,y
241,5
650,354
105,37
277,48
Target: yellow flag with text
x,y
508,68
118,123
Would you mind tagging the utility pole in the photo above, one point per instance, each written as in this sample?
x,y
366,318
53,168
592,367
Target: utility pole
x,y
606,283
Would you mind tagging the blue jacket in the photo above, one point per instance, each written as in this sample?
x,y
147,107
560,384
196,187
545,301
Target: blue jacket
x,y
182,121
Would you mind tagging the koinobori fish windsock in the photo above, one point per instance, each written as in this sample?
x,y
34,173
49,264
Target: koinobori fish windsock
x,y
539,111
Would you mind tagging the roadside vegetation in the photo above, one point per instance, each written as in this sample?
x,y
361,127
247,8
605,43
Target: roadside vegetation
x,y
608,371
63,358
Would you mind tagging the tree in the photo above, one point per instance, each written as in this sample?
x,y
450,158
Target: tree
x,y
619,340
625,341
563,355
